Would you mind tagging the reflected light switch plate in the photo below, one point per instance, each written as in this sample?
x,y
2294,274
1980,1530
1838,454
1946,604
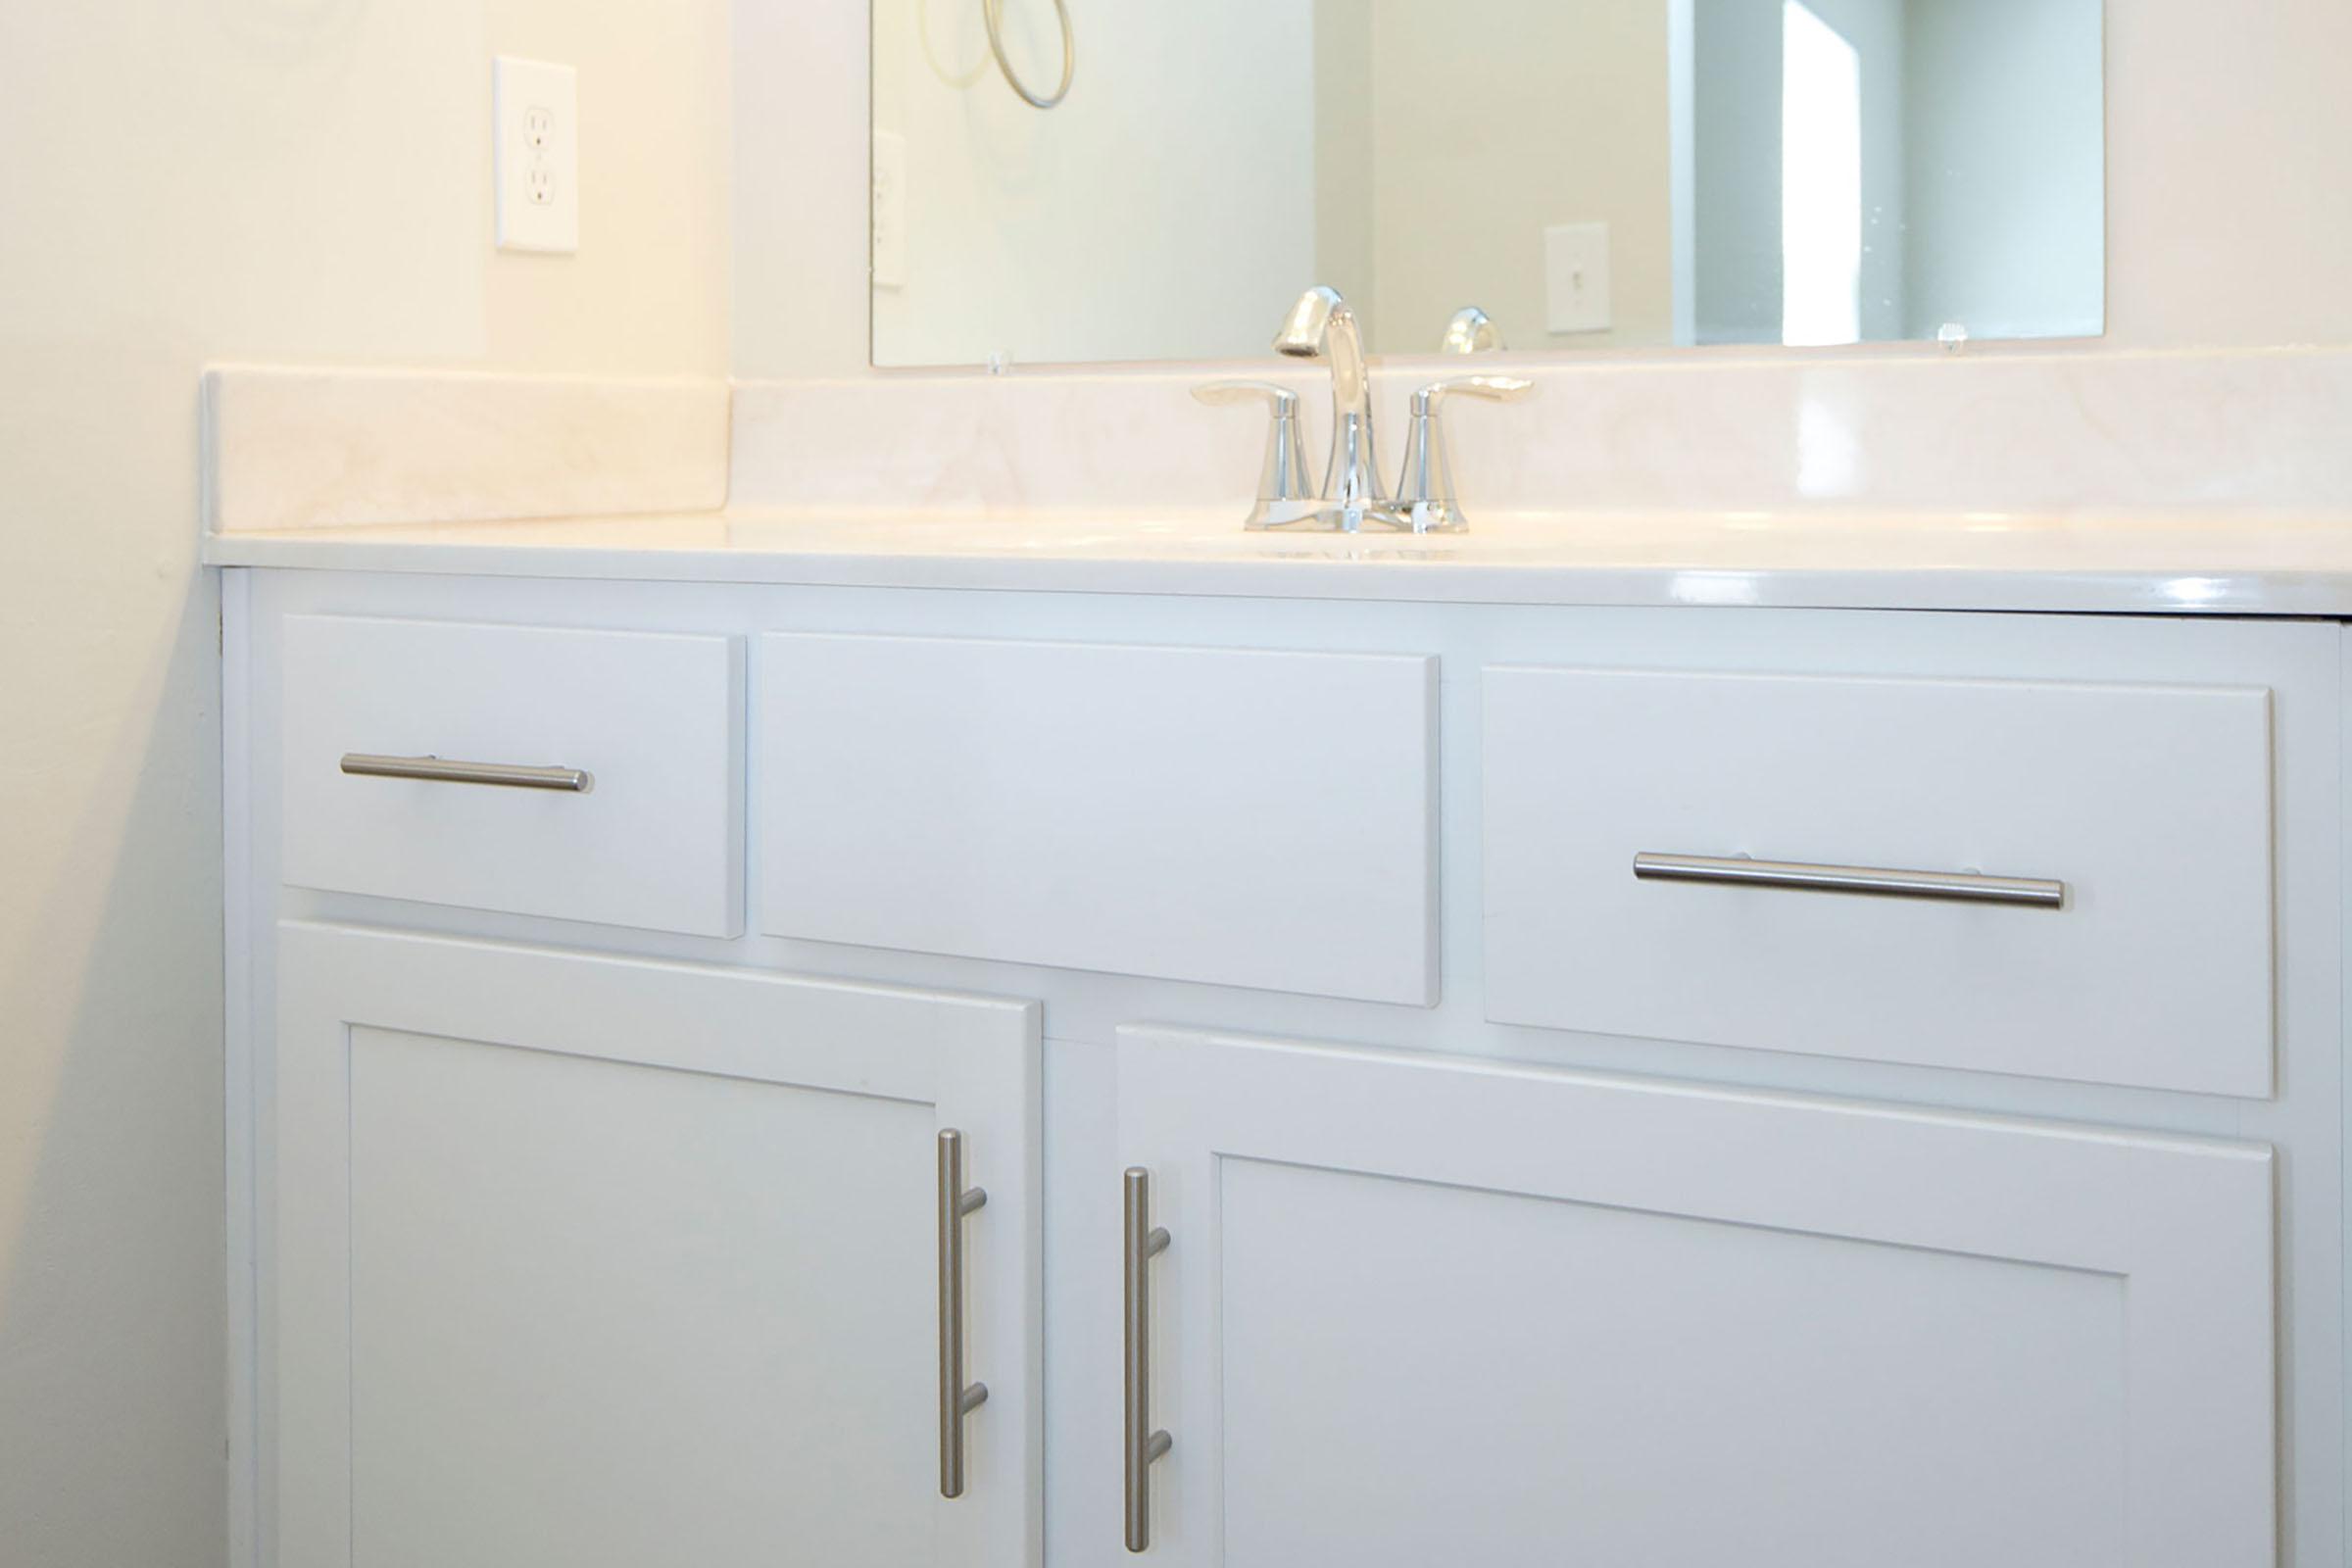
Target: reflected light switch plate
x,y
1576,278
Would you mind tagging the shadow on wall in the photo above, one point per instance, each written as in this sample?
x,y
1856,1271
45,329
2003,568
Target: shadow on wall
x,y
111,1223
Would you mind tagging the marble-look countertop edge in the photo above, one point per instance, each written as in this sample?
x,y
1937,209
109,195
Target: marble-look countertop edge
x,y
703,548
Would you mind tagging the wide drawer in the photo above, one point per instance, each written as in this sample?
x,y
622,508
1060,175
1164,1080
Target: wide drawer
x,y
1232,816
650,833
2149,808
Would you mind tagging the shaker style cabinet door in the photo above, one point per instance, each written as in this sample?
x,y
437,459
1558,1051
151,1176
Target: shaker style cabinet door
x,y
1415,1311
576,1262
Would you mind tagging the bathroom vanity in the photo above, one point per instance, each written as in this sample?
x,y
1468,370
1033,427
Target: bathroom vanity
x,y
903,993
1201,985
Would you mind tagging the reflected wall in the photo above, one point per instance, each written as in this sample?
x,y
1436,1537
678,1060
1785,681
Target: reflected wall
x,y
1592,173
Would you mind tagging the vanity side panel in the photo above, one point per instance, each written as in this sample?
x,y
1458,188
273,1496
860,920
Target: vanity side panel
x,y
1236,818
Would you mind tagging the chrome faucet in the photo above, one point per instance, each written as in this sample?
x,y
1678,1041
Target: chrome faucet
x,y
1472,332
1354,499
1286,497
1322,326
1424,496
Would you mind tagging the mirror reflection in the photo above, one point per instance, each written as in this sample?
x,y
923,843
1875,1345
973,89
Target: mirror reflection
x,y
1072,182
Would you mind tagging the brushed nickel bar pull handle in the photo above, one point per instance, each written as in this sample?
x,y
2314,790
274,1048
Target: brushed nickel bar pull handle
x,y
439,770
957,1399
1953,886
1143,1444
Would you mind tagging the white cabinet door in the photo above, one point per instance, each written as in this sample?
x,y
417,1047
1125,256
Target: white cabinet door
x,y
1417,1310
592,1263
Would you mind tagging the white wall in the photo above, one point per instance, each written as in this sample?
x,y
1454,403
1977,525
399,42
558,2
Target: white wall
x,y
1877,31
252,178
1738,101
1215,158
2005,169
1735,130
1123,223
2228,215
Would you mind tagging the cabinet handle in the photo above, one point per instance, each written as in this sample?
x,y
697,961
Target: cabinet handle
x,y
1143,1444
437,771
957,1399
1951,887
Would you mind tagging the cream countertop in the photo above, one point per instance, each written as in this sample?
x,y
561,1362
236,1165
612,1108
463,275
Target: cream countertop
x,y
2204,564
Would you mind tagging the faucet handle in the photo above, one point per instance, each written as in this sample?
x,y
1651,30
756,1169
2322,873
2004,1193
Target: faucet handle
x,y
1285,494
1494,388
1425,495
1220,394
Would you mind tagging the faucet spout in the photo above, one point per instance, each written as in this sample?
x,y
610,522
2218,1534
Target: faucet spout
x,y
1321,326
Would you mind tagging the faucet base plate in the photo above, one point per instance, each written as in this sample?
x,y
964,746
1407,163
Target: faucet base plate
x,y
1420,518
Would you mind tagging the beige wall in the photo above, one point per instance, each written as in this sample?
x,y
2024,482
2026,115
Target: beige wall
x,y
303,179
1585,85
1344,195
2228,210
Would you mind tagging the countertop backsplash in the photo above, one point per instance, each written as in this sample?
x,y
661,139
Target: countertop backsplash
x,y
1977,432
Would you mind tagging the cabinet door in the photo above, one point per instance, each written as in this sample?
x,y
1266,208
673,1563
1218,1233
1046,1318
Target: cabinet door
x,y
1417,1310
592,1263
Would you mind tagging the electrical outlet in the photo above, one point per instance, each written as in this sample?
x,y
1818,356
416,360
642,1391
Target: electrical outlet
x,y
890,210
1576,278
536,155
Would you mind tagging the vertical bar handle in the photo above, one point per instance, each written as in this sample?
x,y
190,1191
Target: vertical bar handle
x,y
957,1399
1143,1443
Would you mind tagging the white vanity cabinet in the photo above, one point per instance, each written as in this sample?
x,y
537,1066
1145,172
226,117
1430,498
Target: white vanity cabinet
x,y
1415,1312
579,1263
590,1204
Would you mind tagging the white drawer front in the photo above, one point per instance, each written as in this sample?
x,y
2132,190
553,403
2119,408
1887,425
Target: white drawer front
x,y
1244,819
2152,804
655,721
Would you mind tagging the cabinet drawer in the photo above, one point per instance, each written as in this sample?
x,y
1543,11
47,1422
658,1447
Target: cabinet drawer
x,y
2150,804
653,836
1238,817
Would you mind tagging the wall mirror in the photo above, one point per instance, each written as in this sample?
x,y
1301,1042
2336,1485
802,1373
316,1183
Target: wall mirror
x,y
1075,182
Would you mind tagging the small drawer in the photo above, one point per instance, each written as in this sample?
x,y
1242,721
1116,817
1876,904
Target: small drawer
x,y
1232,816
605,782
2083,887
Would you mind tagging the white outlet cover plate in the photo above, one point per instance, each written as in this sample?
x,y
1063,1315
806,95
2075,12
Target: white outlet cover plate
x,y
1576,278
535,139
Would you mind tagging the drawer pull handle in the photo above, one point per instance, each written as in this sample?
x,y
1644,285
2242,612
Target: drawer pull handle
x,y
1951,887
1142,1443
437,771
956,1398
